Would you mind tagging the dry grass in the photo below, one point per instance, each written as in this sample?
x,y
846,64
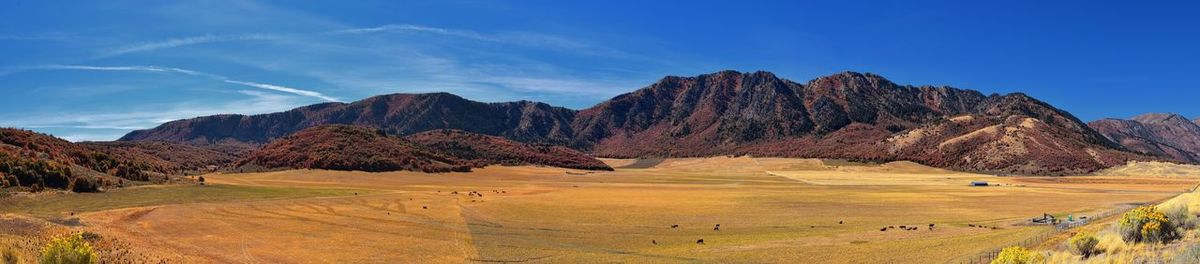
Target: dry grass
x,y
1116,250
770,210
1159,169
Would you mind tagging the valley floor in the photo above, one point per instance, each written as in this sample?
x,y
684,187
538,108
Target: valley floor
x,y
769,210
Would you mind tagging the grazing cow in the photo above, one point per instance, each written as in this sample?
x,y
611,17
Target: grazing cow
x,y
424,207
892,227
812,226
930,227
716,228
839,222
883,229
674,226
971,225
654,242
700,242
903,227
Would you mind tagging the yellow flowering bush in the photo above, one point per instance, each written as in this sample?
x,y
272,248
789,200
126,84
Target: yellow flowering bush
x,y
69,249
1018,255
1146,224
1083,244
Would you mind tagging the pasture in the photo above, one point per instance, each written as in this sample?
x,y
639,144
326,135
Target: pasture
x,y
768,210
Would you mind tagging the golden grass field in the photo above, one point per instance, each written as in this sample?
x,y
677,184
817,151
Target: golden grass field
x,y
770,210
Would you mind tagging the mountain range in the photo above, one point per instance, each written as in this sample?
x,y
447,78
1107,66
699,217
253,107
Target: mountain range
x,y
1159,134
847,115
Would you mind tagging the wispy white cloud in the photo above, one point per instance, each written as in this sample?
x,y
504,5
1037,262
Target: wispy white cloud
x,y
284,89
529,39
160,69
94,125
52,36
185,41
555,85
124,68
418,28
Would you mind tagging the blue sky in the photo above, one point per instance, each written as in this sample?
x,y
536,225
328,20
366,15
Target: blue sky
x,y
94,70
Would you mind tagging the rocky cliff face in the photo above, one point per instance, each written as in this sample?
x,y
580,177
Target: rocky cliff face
x,y
1167,135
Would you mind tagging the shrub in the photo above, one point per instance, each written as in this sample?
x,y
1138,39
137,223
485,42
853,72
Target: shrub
x,y
1189,256
68,249
1018,255
1083,244
1180,217
10,256
84,184
1146,224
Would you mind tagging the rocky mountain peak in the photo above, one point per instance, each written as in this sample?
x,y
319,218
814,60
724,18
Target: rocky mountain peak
x,y
1162,118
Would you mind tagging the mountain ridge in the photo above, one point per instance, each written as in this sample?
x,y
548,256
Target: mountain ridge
x,y
1162,134
847,115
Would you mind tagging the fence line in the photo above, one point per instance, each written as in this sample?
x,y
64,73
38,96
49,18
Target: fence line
x,y
988,255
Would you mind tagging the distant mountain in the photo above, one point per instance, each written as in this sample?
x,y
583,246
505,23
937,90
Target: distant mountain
x,y
346,147
481,150
1167,135
847,115
400,114
30,159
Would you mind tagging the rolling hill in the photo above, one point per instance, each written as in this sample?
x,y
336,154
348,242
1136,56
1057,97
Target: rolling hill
x,y
480,150
30,159
346,147
343,147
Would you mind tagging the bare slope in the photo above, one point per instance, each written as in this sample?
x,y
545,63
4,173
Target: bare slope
x,y
1166,135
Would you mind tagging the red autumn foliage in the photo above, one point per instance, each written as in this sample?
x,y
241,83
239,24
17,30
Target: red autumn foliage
x,y
480,150
341,147
30,158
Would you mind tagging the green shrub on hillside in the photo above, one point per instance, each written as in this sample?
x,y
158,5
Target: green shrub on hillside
x,y
1147,224
1018,255
1180,217
69,249
1190,255
9,256
1083,244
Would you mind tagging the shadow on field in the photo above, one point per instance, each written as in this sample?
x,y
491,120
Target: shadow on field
x,y
643,164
